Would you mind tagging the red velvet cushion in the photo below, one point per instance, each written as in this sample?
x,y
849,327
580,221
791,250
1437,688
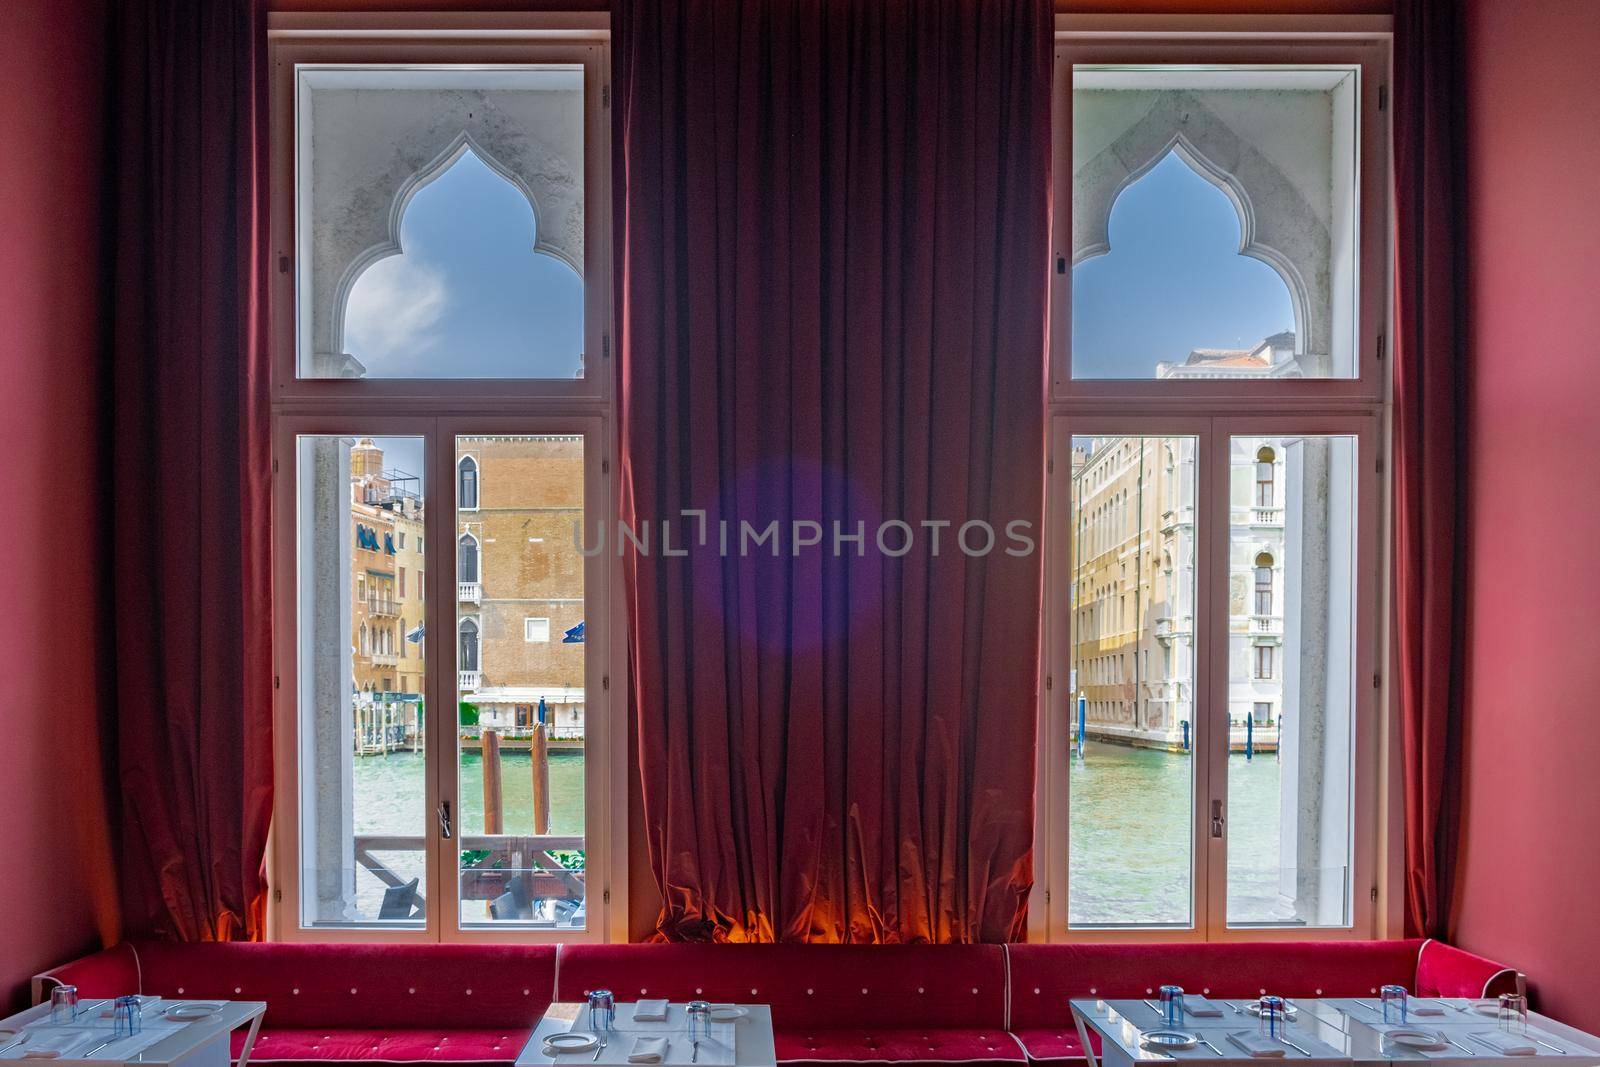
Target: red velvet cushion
x,y
1446,971
285,1046
877,1045
1045,977
1053,1043
110,973
374,987
892,986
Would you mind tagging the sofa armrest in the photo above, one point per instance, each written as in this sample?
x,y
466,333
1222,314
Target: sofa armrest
x,y
1446,971
109,973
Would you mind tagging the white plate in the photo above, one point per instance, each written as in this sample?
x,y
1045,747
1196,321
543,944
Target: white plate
x,y
1491,1008
571,1041
728,1013
1162,1040
1418,1039
200,1009
1289,1010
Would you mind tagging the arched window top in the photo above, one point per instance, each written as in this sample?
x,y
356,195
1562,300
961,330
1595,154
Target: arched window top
x,y
1264,560
467,558
1266,455
467,483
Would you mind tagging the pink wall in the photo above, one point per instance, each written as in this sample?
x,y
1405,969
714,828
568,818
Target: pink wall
x,y
57,896
1529,883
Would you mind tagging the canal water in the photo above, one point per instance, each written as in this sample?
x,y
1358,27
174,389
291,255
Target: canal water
x,y
1130,838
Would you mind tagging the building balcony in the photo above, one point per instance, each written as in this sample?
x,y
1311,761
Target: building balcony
x,y
1266,624
469,592
385,659
467,681
1266,516
380,605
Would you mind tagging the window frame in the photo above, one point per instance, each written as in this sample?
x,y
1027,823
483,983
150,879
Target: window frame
x,y
1214,411
437,410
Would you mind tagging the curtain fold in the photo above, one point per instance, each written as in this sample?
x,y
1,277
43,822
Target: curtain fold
x,y
832,244
1430,372
188,443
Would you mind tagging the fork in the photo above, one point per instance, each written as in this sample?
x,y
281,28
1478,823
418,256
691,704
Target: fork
x,y
601,1047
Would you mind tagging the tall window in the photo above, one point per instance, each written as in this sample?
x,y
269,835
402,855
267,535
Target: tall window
x,y
1218,298
441,329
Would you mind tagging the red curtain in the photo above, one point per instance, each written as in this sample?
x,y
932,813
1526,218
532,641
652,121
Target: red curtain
x,y
832,242
189,451
1430,383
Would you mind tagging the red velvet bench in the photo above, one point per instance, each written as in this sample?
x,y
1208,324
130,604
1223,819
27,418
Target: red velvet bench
x,y
975,1005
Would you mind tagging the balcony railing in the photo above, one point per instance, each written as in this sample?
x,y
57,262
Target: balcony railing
x,y
468,680
385,659
381,605
469,592
1266,516
1266,624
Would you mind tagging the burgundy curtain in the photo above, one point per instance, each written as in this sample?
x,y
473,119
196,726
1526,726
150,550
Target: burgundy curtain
x,y
833,240
190,459
1430,383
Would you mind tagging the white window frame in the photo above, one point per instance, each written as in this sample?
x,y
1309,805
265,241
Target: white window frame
x,y
439,410
1214,411
528,630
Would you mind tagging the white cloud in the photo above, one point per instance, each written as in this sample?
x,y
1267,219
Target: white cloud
x,y
391,316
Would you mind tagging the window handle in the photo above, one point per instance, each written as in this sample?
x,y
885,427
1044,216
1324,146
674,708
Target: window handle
x,y
1217,820
445,829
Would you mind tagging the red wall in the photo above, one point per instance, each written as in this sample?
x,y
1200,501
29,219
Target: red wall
x,y
1528,889
57,894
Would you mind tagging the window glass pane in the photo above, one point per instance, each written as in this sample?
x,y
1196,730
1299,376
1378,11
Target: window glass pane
x,y
363,779
521,684
1291,696
1214,222
441,222
1131,771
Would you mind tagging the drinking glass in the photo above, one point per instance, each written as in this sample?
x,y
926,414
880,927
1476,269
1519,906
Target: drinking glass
x,y
699,1015
602,1010
1172,1006
63,1003
1273,1017
1394,1004
1513,1014
125,1017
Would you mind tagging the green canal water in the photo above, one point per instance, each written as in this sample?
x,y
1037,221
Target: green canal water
x,y
1130,840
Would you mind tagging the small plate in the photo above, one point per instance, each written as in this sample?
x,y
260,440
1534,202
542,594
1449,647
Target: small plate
x,y
1417,1039
1162,1040
571,1041
727,1013
1491,1008
1289,1010
199,1009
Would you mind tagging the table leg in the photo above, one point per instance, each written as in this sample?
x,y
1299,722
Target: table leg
x,y
249,1040
1083,1036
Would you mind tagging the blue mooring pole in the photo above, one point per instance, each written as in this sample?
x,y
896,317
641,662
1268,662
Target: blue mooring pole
x,y
1249,737
1082,714
1186,735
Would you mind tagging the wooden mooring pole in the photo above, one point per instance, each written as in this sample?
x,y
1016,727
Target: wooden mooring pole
x,y
540,750
493,812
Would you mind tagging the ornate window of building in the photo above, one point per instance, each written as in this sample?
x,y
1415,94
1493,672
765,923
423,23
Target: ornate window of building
x,y
440,207
1218,302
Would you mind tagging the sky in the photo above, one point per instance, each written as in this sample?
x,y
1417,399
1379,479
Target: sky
x,y
468,297
1173,280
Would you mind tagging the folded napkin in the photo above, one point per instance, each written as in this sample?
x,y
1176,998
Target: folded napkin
x,y
1422,1007
649,1049
1200,1006
650,1011
1258,1046
1507,1044
50,1045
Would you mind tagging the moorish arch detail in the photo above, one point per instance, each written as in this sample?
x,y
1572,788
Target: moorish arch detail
x,y
1278,223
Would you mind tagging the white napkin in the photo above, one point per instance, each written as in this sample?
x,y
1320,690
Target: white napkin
x,y
53,1045
649,1049
1422,1007
1258,1046
1199,1006
1507,1044
650,1011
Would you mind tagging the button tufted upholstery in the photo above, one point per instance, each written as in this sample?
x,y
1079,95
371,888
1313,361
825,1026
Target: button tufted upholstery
x,y
832,1005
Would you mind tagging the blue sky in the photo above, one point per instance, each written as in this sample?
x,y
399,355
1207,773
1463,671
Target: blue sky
x,y
468,297
1172,281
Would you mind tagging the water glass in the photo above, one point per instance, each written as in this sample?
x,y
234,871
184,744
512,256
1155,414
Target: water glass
x,y
699,1015
125,1017
1274,1017
602,1010
1172,1006
1513,1014
1394,1004
63,1003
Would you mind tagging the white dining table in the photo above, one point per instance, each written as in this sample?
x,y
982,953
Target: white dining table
x,y
202,1042
752,1039
1332,1032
